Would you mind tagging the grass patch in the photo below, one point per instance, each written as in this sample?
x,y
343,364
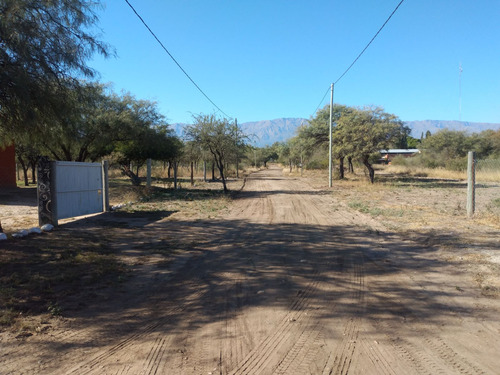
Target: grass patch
x,y
38,274
375,211
496,202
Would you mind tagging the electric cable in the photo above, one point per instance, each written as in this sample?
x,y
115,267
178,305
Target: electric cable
x,y
321,102
175,61
370,42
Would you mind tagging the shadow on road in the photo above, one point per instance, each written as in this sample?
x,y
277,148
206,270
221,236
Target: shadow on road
x,y
337,272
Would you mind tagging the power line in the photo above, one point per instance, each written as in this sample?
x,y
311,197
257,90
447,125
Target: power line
x,y
379,30
175,61
319,105
357,58
321,102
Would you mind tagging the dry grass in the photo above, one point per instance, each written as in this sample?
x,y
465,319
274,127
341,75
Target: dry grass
x,y
39,272
482,175
426,172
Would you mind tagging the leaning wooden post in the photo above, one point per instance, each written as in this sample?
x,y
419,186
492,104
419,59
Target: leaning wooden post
x,y
471,183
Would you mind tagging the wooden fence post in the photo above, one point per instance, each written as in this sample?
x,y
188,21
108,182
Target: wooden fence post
x,y
471,183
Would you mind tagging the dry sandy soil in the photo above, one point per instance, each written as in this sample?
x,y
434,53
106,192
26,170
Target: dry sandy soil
x,y
290,280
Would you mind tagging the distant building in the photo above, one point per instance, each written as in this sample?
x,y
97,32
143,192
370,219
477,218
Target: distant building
x,y
386,156
7,167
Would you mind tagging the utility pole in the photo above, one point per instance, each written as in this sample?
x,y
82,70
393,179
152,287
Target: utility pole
x,y
460,92
330,164
237,156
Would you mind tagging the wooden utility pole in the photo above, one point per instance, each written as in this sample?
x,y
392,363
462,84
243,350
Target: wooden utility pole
x,y
330,161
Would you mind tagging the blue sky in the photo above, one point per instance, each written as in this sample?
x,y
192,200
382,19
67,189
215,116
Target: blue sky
x,y
261,60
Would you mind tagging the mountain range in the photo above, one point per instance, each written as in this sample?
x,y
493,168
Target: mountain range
x,y
267,132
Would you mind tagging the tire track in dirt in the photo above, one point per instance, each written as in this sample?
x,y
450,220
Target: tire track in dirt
x,y
237,333
427,354
258,358
133,344
295,361
340,359
112,354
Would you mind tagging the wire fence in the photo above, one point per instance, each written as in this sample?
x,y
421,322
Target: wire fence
x,y
488,170
488,187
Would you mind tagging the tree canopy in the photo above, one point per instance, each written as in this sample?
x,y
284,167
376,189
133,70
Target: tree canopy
x,y
219,136
44,46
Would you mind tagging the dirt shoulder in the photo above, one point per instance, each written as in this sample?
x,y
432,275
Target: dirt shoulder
x,y
290,277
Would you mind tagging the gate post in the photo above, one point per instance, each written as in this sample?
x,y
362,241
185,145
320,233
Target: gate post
x,y
471,183
105,186
46,193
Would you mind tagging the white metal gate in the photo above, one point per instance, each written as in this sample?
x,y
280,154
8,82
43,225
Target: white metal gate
x,y
78,189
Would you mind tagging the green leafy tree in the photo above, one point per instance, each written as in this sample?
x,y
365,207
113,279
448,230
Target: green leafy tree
x,y
42,43
412,142
217,135
364,132
86,124
449,144
316,135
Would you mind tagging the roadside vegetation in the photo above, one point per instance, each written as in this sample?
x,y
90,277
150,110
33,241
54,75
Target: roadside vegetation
x,y
360,133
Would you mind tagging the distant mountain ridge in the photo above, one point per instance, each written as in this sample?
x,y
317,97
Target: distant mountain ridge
x,y
419,127
266,132
261,133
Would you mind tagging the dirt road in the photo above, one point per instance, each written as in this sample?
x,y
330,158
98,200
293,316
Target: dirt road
x,y
289,282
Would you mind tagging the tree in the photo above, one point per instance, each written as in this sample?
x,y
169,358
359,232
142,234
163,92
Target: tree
x,y
218,136
42,43
86,124
146,136
316,134
364,132
192,153
318,127
269,153
449,144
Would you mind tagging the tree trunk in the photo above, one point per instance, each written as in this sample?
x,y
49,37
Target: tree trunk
x,y
341,168
204,171
222,177
136,181
192,173
175,175
25,171
371,171
169,169
33,172
213,171
350,166
290,162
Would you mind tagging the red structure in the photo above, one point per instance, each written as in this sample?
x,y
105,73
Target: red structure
x,y
7,167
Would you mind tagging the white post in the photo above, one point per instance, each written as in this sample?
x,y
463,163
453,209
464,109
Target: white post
x,y
330,161
105,186
471,183
237,151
